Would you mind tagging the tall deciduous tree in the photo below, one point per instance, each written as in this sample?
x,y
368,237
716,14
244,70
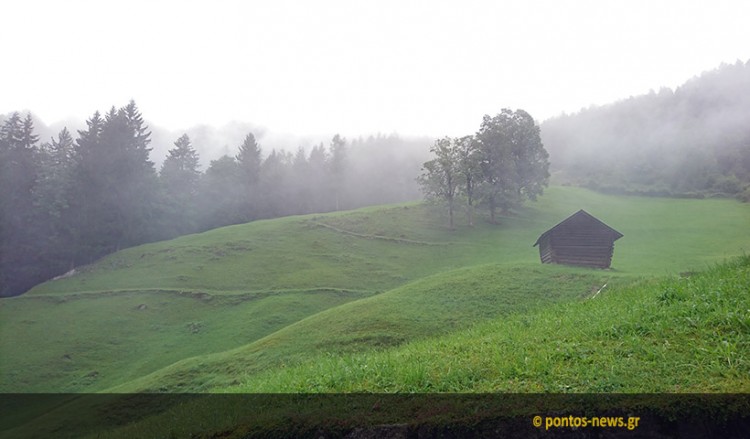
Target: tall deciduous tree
x,y
512,158
471,173
530,157
503,165
440,178
493,141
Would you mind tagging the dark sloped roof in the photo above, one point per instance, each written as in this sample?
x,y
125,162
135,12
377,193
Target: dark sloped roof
x,y
581,213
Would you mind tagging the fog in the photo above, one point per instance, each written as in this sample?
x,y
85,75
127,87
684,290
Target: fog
x,y
75,191
691,140
96,192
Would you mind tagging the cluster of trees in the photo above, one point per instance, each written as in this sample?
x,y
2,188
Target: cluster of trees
x,y
248,186
499,167
69,201
692,141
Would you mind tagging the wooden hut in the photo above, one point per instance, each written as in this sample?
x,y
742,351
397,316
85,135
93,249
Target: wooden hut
x,y
580,239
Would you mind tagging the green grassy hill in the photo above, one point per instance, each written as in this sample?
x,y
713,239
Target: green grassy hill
x,y
213,310
685,334
682,334
422,309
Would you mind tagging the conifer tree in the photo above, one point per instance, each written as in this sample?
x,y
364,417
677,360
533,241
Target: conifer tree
x,y
116,184
317,177
180,179
221,195
338,169
20,247
249,162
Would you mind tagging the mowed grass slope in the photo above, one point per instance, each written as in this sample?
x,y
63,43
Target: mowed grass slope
x,y
249,296
76,343
684,334
422,309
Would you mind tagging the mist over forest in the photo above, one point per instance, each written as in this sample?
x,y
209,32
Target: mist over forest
x,y
73,192
693,141
72,197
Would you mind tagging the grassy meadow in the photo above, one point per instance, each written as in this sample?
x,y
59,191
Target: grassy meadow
x,y
687,334
213,311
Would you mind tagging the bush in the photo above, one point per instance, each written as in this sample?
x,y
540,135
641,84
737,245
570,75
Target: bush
x,y
728,184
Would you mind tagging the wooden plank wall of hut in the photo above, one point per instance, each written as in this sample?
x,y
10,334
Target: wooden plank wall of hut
x,y
592,256
580,245
545,252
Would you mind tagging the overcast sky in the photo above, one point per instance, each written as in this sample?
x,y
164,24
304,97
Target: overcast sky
x,y
354,67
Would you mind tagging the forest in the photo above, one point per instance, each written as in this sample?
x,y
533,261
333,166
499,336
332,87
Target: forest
x,y
693,141
72,198
68,201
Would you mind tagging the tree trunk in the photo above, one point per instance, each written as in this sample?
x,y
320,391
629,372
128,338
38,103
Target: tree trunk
x,y
450,213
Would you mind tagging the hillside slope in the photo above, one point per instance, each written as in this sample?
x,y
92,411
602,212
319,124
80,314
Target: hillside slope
x,y
143,309
692,140
422,309
684,334
679,334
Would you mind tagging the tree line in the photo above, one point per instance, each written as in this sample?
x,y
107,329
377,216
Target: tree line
x,y
69,201
498,168
692,141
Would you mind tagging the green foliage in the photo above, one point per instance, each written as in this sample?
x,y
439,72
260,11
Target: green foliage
x,y
221,195
20,167
504,164
513,160
71,202
180,179
469,160
115,184
690,141
249,159
440,178
338,168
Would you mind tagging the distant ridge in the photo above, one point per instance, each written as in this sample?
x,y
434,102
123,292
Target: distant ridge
x,y
691,141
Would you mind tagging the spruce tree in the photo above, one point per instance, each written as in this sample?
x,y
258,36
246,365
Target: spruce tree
x,y
221,195
249,162
338,166
116,184
21,249
179,180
